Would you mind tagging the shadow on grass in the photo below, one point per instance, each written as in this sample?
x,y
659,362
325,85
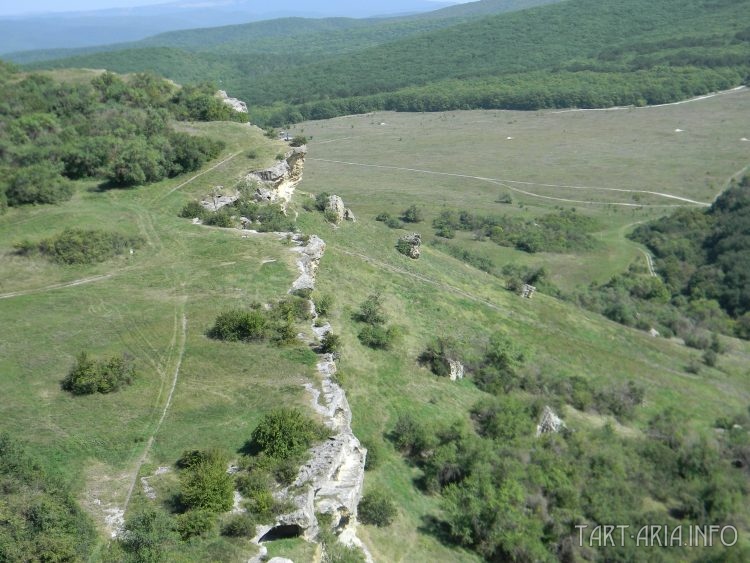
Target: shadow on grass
x,y
433,526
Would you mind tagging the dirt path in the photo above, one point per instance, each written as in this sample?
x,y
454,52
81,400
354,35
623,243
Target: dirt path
x,y
504,183
650,263
180,352
620,108
186,182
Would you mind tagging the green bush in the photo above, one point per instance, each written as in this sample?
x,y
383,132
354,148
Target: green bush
x,y
196,523
324,304
379,337
298,141
410,436
374,454
89,376
193,209
330,344
148,535
438,354
321,201
377,509
222,218
205,485
286,432
371,310
79,246
238,325
412,214
393,223
383,217
239,526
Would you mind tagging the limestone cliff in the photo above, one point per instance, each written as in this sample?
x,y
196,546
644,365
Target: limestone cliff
x,y
277,183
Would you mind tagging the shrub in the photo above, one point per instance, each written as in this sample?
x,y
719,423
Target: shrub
x,y
410,436
710,358
236,325
321,201
378,337
298,141
193,209
377,509
286,432
324,304
284,334
89,376
196,523
78,246
147,534
207,486
38,183
331,216
383,217
371,310
330,343
504,198
413,215
221,218
374,454
239,526
393,223
437,355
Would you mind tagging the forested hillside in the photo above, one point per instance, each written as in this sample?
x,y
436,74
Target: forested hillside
x,y
576,53
108,128
705,256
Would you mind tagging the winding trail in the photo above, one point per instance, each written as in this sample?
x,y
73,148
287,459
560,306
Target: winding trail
x,y
175,377
505,182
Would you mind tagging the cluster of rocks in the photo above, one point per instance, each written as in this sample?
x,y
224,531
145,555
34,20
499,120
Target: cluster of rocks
x,y
410,245
336,211
549,423
219,199
234,103
277,183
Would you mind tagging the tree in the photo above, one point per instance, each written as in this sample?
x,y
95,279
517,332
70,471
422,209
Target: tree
x,y
413,214
206,485
371,310
285,432
377,509
38,183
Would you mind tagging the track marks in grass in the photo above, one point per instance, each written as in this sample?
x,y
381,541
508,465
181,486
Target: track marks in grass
x,y
504,183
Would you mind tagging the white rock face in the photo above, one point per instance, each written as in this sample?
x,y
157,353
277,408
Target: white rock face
x,y
331,481
457,370
335,208
308,262
277,183
234,103
549,422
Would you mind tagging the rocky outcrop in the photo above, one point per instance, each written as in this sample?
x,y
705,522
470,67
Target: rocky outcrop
x,y
335,209
234,103
332,479
277,183
457,370
410,245
219,198
349,216
549,423
309,259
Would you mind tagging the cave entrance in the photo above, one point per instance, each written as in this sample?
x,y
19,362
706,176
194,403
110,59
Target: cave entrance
x,y
282,533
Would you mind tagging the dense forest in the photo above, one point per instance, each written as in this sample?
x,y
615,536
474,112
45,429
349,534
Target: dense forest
x,y
112,129
582,53
704,256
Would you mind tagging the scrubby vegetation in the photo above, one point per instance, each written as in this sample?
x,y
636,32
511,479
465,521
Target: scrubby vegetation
x,y
110,129
90,376
375,334
286,433
256,324
377,508
79,246
563,231
41,520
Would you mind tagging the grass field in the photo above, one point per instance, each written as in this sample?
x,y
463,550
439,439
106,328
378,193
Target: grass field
x,y
192,392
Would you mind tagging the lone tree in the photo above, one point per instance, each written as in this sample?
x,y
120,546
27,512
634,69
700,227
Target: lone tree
x,y
413,215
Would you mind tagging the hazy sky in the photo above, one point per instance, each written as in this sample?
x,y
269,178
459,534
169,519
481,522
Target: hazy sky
x,y
13,7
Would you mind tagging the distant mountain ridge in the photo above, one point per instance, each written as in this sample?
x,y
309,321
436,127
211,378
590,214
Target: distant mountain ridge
x,y
87,29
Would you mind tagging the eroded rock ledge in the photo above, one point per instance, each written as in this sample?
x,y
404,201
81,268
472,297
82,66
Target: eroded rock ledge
x,y
277,183
331,481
